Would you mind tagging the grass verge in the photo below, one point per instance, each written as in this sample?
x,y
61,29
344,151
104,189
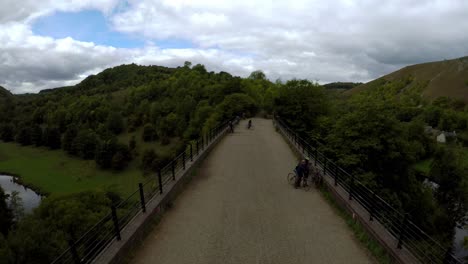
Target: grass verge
x,y
377,251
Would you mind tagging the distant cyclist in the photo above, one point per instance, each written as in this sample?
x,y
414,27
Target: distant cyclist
x,y
249,125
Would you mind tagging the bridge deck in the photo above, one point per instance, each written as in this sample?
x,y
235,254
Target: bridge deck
x,y
239,209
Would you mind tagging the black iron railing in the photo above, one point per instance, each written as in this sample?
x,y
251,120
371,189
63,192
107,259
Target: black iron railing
x,y
398,224
90,244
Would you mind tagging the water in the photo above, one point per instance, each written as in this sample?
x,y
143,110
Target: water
x,y
459,250
30,199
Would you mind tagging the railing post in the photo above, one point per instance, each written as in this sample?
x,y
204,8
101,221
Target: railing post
x,y
191,152
183,160
74,252
402,231
373,206
173,170
116,223
160,182
351,186
142,197
197,147
202,141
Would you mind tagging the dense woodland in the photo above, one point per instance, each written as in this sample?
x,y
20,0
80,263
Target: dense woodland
x,y
378,135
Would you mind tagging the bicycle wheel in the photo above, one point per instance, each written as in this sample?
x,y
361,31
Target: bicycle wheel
x,y
291,178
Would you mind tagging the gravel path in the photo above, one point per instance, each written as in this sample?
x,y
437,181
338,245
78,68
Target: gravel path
x,y
240,209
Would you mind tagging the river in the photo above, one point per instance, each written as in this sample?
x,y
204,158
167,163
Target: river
x,y
30,199
459,250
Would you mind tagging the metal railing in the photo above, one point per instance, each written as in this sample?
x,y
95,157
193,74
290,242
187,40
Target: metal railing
x,y
90,244
398,224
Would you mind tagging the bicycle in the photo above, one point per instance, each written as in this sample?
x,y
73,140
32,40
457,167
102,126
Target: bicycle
x,y
306,182
317,179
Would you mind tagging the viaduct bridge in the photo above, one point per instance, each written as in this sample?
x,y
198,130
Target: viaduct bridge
x,y
235,206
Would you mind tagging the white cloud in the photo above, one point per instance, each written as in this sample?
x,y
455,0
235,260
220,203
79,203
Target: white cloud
x,y
335,40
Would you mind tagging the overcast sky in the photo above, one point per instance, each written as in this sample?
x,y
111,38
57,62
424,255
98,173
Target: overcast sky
x,y
50,43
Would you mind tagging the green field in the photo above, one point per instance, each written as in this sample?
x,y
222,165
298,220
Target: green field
x,y
58,173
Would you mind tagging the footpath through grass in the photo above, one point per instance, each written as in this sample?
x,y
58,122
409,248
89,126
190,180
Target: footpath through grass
x,y
53,171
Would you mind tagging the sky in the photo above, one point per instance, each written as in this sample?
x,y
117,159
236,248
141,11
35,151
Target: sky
x,y
52,43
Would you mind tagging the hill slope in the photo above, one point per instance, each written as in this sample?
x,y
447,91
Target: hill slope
x,y
443,78
4,92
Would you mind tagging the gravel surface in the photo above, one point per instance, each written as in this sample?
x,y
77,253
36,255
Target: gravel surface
x,y
240,209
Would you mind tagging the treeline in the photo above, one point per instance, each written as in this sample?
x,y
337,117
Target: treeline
x,y
379,134
165,103
341,85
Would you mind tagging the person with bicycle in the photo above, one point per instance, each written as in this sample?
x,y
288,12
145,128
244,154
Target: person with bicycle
x,y
300,171
249,125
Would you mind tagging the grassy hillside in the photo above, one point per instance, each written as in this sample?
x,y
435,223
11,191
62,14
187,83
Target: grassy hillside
x,y
442,78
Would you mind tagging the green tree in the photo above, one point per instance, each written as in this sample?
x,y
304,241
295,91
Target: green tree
x,y
5,251
7,132
6,216
300,103
115,123
149,133
52,137
257,75
85,144
68,138
24,137
132,143
118,161
121,156
147,160
36,135
449,172
59,219
16,205
105,152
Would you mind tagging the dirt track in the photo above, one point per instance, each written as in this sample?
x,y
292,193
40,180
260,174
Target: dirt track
x,y
240,209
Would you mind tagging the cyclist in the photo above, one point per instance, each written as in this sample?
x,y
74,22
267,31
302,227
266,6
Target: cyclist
x,y
249,125
300,171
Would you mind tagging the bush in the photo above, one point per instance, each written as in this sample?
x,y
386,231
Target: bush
x,y
149,133
115,123
147,161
